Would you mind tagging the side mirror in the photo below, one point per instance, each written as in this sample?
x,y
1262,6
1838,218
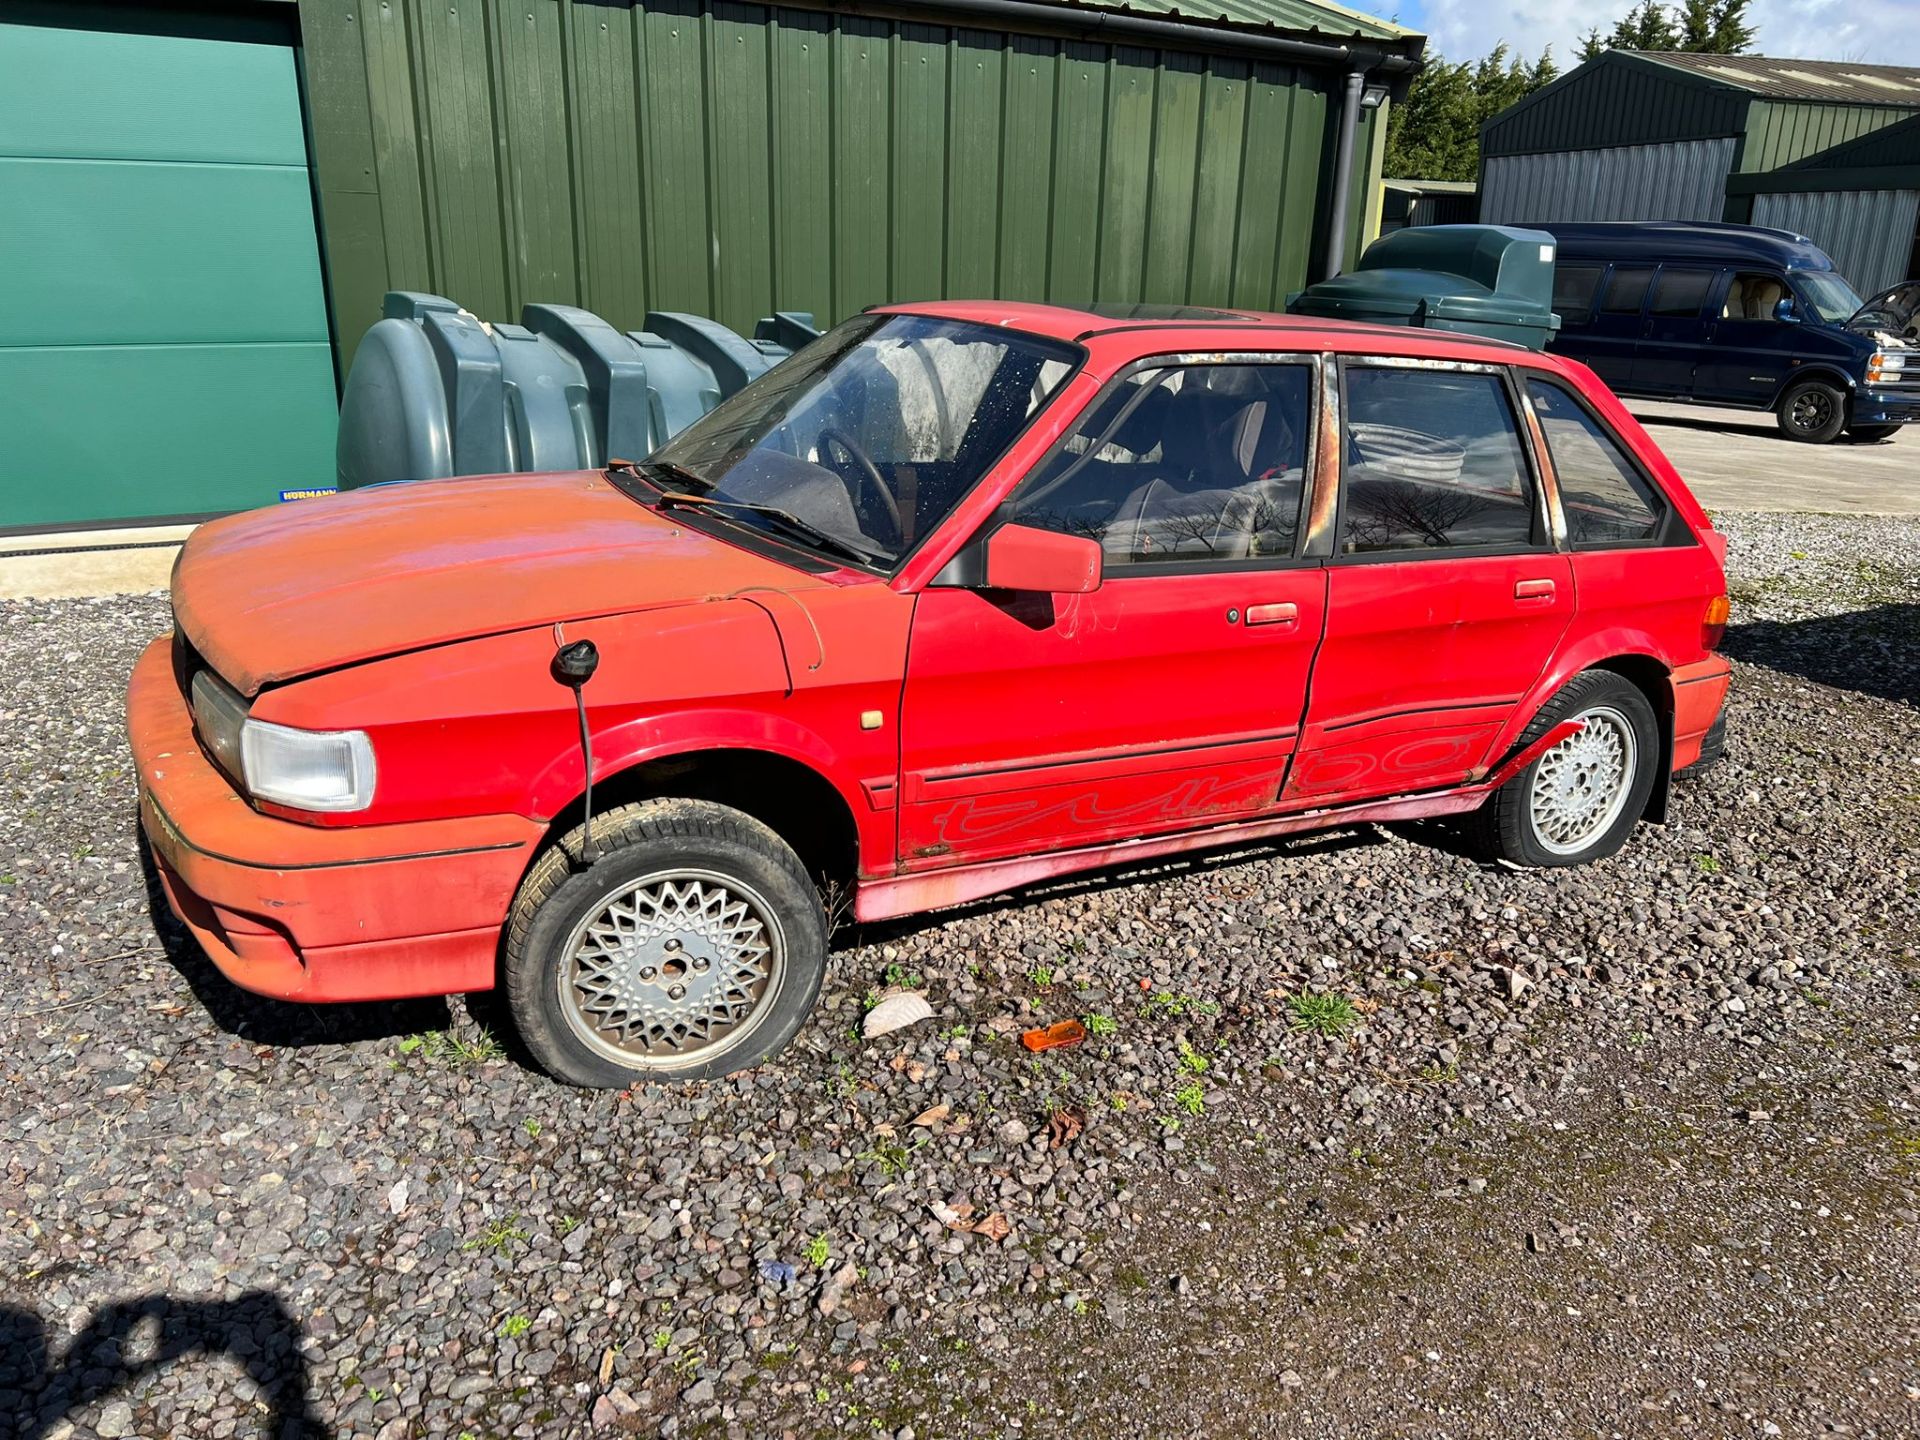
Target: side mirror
x,y
1783,309
1020,557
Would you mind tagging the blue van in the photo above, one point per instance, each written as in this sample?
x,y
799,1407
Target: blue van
x,y
1731,315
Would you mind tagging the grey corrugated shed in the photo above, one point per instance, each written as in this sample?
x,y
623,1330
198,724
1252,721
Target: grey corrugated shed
x,y
1684,180
1869,233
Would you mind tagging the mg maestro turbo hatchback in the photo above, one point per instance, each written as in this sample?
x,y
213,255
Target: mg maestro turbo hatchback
x,y
959,598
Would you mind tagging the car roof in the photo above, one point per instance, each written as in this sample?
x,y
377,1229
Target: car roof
x,y
1255,328
1652,241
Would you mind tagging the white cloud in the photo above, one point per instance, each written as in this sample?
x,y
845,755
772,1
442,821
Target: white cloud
x,y
1879,32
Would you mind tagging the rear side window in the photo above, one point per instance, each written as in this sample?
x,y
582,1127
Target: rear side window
x,y
1573,288
1626,290
1607,501
1681,293
1433,463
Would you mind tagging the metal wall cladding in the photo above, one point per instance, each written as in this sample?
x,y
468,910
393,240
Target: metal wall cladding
x,y
1685,180
731,160
1779,133
1869,233
1619,100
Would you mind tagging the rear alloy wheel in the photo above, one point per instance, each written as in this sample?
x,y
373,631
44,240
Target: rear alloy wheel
x,y
1581,799
693,946
1867,434
1813,411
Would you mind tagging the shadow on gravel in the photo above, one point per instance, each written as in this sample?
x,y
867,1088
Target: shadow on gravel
x,y
266,1021
38,1389
1875,651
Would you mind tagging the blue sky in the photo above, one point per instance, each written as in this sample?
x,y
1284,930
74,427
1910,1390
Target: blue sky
x,y
1881,32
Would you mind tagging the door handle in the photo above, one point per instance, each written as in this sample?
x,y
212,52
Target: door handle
x,y
1541,590
1285,613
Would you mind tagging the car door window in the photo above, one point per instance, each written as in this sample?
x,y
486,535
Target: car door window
x,y
1606,499
1626,291
1681,293
1182,465
1752,296
1433,463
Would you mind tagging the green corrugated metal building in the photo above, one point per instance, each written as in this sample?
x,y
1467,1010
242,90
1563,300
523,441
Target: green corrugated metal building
x,y
208,200
1656,136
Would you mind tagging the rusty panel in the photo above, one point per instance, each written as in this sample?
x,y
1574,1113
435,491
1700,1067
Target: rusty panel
x,y
730,159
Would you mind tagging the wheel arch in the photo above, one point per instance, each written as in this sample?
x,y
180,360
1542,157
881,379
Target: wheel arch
x,y
1652,679
789,795
1817,370
1629,656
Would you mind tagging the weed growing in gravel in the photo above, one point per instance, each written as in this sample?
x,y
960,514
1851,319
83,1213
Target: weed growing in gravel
x,y
1321,1014
1191,1060
1434,1073
819,1250
514,1326
1100,1025
1706,864
1165,1002
1041,975
496,1237
900,975
566,1225
891,1156
1191,1097
662,1338
531,1126
443,1047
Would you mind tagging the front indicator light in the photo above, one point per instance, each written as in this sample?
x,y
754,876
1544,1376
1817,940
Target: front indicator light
x,y
1714,624
328,770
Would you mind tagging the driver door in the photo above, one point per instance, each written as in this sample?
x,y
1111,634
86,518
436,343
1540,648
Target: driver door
x,y
1170,697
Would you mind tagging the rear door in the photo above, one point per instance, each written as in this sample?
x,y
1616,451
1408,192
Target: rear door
x,y
1613,339
1171,696
1446,597
1673,342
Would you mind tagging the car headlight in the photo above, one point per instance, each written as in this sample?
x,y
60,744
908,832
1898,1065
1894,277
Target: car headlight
x,y
307,769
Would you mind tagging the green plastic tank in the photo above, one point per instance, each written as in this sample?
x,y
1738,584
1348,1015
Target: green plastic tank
x,y
1491,280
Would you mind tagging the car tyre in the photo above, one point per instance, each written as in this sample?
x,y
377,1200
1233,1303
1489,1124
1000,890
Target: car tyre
x,y
1580,800
1813,411
1868,434
692,946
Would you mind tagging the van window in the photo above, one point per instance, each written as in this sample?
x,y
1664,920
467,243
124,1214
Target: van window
x,y
1752,297
1681,293
1573,287
1433,463
1605,498
1626,290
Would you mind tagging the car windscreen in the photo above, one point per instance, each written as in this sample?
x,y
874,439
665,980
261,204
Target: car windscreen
x,y
870,435
1829,297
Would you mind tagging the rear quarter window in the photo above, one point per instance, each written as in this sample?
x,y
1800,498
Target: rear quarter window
x,y
1573,292
1606,500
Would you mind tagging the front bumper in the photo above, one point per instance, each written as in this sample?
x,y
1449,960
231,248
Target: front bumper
x,y
375,912
1886,407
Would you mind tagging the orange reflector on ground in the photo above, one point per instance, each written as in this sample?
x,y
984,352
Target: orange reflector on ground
x,y
1055,1037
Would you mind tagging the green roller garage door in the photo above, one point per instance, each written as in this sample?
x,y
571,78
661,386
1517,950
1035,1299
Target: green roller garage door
x,y
163,330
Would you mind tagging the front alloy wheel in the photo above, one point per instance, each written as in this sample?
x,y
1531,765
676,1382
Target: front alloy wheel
x,y
692,946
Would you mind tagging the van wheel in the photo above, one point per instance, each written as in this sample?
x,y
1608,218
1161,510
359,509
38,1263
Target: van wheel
x,y
1867,434
1580,800
1813,411
693,946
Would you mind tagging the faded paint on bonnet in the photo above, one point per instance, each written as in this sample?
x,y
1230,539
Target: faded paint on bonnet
x,y
278,593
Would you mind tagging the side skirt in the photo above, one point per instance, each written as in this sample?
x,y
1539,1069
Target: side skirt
x,y
887,899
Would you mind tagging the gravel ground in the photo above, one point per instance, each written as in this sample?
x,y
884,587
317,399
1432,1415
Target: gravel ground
x,y
1630,1150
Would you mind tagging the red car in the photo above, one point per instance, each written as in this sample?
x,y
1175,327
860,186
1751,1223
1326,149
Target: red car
x,y
960,597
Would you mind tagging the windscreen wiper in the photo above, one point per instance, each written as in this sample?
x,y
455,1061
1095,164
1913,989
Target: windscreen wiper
x,y
783,519
684,475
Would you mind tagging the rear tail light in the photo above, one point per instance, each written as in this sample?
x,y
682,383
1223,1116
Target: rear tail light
x,y
1713,627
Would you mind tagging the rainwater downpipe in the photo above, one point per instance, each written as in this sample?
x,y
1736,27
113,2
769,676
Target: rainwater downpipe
x,y
1343,172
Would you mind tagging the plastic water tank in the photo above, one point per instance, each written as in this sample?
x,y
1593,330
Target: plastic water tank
x,y
1492,280
436,391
